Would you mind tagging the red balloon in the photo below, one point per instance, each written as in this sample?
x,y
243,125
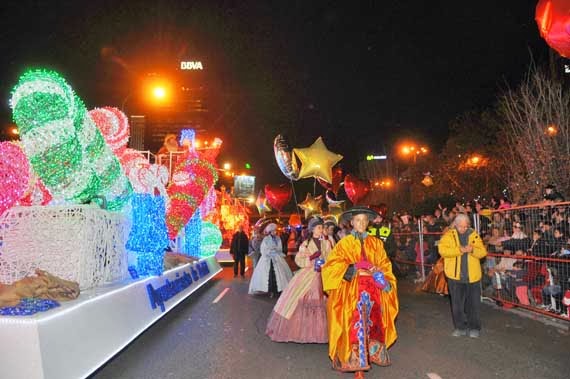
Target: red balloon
x,y
295,220
553,19
278,196
355,188
337,175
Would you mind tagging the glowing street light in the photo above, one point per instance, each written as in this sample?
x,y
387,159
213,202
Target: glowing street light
x,y
159,92
227,166
15,131
413,150
552,130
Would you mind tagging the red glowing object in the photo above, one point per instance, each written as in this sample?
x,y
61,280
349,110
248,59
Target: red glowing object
x,y
355,188
278,196
553,20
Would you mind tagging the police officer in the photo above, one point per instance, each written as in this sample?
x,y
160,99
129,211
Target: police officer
x,y
379,229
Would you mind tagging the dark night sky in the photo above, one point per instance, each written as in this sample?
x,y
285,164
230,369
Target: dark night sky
x,y
358,73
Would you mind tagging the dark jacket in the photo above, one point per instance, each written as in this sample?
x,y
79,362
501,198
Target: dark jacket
x,y
240,245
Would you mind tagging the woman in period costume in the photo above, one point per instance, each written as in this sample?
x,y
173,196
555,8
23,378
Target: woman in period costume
x,y
272,273
300,314
436,282
363,302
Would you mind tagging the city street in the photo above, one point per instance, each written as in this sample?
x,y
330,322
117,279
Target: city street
x,y
219,333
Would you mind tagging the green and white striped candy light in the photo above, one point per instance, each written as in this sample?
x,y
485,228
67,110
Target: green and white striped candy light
x,y
63,144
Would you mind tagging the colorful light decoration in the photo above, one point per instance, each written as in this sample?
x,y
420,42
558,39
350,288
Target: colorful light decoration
x,y
62,142
192,233
143,176
36,194
148,236
191,182
209,203
210,240
14,174
114,126
188,138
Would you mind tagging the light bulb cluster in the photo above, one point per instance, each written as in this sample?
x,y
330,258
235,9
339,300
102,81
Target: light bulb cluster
x,y
210,240
114,126
148,236
14,174
63,144
209,203
191,182
192,234
144,177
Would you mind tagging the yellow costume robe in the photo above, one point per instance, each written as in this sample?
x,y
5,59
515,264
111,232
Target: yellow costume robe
x,y
343,294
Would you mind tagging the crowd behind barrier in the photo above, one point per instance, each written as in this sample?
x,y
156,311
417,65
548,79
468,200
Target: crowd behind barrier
x,y
528,264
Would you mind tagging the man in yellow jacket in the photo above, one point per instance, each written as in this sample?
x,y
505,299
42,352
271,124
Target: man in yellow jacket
x,y
462,250
363,301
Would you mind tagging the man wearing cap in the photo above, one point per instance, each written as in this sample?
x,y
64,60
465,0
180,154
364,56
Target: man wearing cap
x,y
363,301
380,229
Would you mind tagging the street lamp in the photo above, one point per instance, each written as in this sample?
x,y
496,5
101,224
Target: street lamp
x,y
159,92
413,150
551,130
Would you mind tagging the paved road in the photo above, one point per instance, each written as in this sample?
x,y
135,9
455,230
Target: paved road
x,y
200,339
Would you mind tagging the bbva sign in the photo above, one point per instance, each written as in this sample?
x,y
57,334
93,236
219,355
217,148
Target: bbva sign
x,y
191,65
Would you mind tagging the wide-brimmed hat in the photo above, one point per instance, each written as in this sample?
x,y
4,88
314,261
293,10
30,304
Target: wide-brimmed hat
x,y
349,214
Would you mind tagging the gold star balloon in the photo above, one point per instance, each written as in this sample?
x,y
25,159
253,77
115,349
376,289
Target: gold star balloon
x,y
311,205
336,211
317,161
261,204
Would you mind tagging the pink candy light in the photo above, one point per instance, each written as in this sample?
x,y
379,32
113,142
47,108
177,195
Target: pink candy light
x,y
14,174
114,125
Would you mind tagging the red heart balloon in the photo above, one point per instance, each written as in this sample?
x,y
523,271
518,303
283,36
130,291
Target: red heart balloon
x,y
278,196
355,188
337,174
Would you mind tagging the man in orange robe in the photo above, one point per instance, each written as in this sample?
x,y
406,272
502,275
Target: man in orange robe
x,y
363,301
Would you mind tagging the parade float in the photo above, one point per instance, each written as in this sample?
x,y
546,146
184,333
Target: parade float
x,y
96,242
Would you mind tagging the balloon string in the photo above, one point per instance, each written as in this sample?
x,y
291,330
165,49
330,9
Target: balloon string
x,y
315,188
295,198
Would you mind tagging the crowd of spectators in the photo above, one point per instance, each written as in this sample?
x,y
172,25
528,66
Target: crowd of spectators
x,y
529,246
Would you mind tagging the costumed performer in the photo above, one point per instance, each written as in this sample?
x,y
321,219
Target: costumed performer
x,y
300,314
436,282
272,273
363,302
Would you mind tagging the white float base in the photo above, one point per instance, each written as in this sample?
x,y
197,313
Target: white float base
x,y
224,256
75,339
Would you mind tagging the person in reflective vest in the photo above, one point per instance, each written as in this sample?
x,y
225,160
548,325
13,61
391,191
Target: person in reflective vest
x,y
380,230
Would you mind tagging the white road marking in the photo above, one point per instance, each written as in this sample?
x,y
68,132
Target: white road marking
x,y
224,292
433,375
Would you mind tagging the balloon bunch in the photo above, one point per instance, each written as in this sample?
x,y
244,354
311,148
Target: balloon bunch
x,y
316,160
62,143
